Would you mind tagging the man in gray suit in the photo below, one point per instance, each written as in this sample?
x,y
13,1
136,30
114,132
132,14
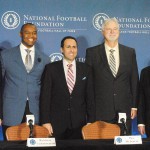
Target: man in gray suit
x,y
22,68
115,76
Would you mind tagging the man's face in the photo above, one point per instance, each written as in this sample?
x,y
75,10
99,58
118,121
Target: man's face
x,y
111,32
29,35
69,49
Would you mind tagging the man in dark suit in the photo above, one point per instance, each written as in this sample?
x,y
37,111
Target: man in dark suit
x,y
144,102
115,76
22,73
67,101
1,88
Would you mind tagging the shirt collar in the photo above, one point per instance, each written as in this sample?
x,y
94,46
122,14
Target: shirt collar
x,y
107,48
22,47
65,62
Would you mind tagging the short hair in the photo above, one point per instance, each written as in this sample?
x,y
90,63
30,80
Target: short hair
x,y
31,24
109,20
65,38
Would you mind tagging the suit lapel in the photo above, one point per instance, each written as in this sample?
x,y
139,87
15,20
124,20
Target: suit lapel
x,y
78,76
18,58
102,53
36,57
62,77
122,59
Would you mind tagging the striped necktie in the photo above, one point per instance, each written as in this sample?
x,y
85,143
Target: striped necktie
x,y
70,78
28,61
112,62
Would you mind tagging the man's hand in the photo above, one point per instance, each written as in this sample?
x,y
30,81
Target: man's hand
x,y
0,122
48,126
88,124
141,129
133,113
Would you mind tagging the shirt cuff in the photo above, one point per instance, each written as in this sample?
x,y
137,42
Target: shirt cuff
x,y
140,125
134,108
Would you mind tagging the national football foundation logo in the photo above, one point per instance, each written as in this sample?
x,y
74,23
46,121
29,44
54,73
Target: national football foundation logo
x,y
98,20
55,57
10,20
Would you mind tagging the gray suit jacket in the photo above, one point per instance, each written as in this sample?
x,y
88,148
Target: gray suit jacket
x,y
19,85
118,94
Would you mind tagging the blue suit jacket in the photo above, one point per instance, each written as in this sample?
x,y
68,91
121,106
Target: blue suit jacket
x,y
19,85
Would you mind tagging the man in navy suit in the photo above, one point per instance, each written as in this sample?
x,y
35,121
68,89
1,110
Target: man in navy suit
x,y
21,84
67,100
115,76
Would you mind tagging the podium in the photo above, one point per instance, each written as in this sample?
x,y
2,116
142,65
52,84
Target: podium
x,y
22,132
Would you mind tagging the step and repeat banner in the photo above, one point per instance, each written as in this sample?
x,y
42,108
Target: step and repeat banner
x,y
81,19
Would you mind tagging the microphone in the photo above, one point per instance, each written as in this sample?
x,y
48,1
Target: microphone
x,y
30,122
122,119
31,128
39,59
125,129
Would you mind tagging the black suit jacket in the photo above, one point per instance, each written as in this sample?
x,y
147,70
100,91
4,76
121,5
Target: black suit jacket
x,y
60,108
144,100
113,95
1,90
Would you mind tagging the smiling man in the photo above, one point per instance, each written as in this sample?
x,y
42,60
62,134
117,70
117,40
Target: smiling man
x,y
22,68
67,101
115,76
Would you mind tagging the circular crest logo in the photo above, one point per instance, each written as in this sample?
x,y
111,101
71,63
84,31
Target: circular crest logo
x,y
55,57
32,142
119,140
98,20
10,20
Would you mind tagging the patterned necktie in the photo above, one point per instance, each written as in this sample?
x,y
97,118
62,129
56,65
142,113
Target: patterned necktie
x,y
28,61
70,78
112,62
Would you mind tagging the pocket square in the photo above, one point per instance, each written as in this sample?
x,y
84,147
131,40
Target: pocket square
x,y
83,78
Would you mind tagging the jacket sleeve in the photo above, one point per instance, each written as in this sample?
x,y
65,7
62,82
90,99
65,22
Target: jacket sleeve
x,y
134,81
45,96
88,59
142,98
1,89
90,98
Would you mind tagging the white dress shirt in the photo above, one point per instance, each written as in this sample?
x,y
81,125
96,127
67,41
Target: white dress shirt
x,y
24,53
116,55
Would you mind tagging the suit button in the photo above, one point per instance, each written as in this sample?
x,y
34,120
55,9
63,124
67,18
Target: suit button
x,y
115,94
68,109
70,97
